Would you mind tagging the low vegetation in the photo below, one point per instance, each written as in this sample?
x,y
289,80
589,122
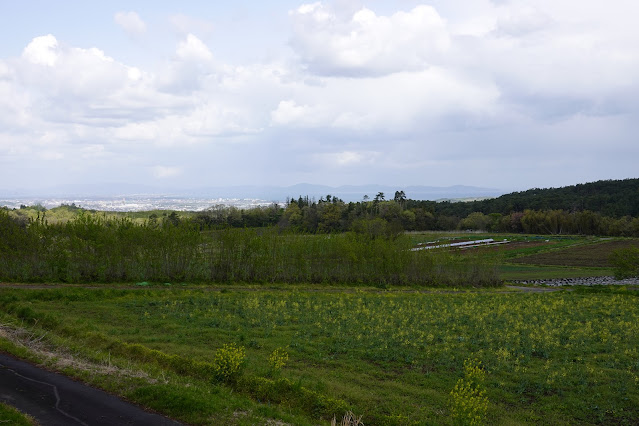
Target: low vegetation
x,y
11,416
392,357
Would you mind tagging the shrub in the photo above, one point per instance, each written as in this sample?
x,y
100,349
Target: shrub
x,y
468,403
278,359
228,363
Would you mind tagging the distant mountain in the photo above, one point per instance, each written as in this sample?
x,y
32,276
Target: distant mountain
x,y
348,192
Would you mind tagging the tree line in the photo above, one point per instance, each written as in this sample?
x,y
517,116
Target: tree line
x,y
598,208
381,217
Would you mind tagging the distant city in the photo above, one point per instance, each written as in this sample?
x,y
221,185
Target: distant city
x,y
135,203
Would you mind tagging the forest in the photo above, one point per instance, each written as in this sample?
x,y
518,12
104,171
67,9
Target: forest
x,y
599,208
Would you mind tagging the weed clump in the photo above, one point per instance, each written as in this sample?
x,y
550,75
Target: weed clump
x,y
468,401
277,359
228,363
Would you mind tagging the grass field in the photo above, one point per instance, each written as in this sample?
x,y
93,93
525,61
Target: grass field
x,y
566,357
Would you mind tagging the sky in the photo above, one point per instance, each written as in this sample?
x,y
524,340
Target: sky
x,y
507,94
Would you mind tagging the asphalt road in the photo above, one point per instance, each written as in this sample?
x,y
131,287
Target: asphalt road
x,y
53,399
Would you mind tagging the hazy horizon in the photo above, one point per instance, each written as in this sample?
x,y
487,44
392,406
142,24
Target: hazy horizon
x,y
132,197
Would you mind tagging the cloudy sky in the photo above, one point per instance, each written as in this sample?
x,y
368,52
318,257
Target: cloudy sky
x,y
506,94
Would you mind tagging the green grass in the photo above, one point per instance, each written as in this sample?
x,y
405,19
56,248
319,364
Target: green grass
x,y
393,357
9,415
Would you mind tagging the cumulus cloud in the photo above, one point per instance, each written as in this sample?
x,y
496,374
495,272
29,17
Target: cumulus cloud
x,y
130,22
366,43
190,68
53,70
193,49
42,50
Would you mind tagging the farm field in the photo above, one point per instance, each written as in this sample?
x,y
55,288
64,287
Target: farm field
x,y
530,257
595,255
393,357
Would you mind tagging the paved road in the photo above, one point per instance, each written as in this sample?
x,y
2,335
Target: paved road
x,y
53,399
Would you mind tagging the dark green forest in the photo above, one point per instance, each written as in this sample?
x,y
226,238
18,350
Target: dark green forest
x,y
608,207
611,198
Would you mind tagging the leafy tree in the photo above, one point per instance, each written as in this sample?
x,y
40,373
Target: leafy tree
x,y
626,262
476,221
400,198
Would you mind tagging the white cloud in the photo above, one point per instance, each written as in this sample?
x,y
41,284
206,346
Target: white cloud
x,y
163,172
395,103
193,49
53,70
42,50
130,22
519,21
289,113
365,43
348,158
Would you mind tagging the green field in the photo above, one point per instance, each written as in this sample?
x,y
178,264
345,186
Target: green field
x,y
534,257
393,357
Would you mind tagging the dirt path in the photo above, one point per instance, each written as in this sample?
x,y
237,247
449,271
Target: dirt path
x,y
54,399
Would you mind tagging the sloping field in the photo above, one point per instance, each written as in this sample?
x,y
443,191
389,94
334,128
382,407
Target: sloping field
x,y
560,358
590,255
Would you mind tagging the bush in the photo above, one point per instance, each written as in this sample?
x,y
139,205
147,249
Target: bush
x,y
228,363
626,262
278,359
468,403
